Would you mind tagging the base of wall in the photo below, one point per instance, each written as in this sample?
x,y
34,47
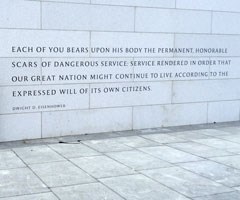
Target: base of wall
x,y
115,133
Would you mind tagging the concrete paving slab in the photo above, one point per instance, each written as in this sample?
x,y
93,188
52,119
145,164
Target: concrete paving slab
x,y
139,187
73,150
163,138
190,135
108,145
93,191
231,138
199,149
37,154
185,182
8,160
232,161
233,130
213,132
220,144
102,166
225,175
138,160
209,161
224,196
42,196
135,141
64,173
170,154
20,181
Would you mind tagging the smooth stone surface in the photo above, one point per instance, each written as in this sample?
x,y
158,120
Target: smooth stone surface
x,y
107,145
13,17
170,154
224,110
169,115
139,187
216,5
20,182
42,196
12,128
139,24
74,150
138,160
139,3
232,161
89,17
9,160
93,191
37,154
102,166
199,149
224,196
77,122
61,174
192,91
185,182
163,138
166,20
225,175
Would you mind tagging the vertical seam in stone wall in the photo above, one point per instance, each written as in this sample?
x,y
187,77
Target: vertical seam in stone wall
x,y
41,72
40,14
133,71
89,96
175,3
132,118
174,44
134,23
41,125
41,84
172,82
90,45
211,31
207,112
209,69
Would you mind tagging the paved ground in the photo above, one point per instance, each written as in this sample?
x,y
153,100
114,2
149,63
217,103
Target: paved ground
x,y
198,163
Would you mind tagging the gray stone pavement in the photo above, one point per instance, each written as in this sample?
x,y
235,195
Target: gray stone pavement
x,y
180,163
